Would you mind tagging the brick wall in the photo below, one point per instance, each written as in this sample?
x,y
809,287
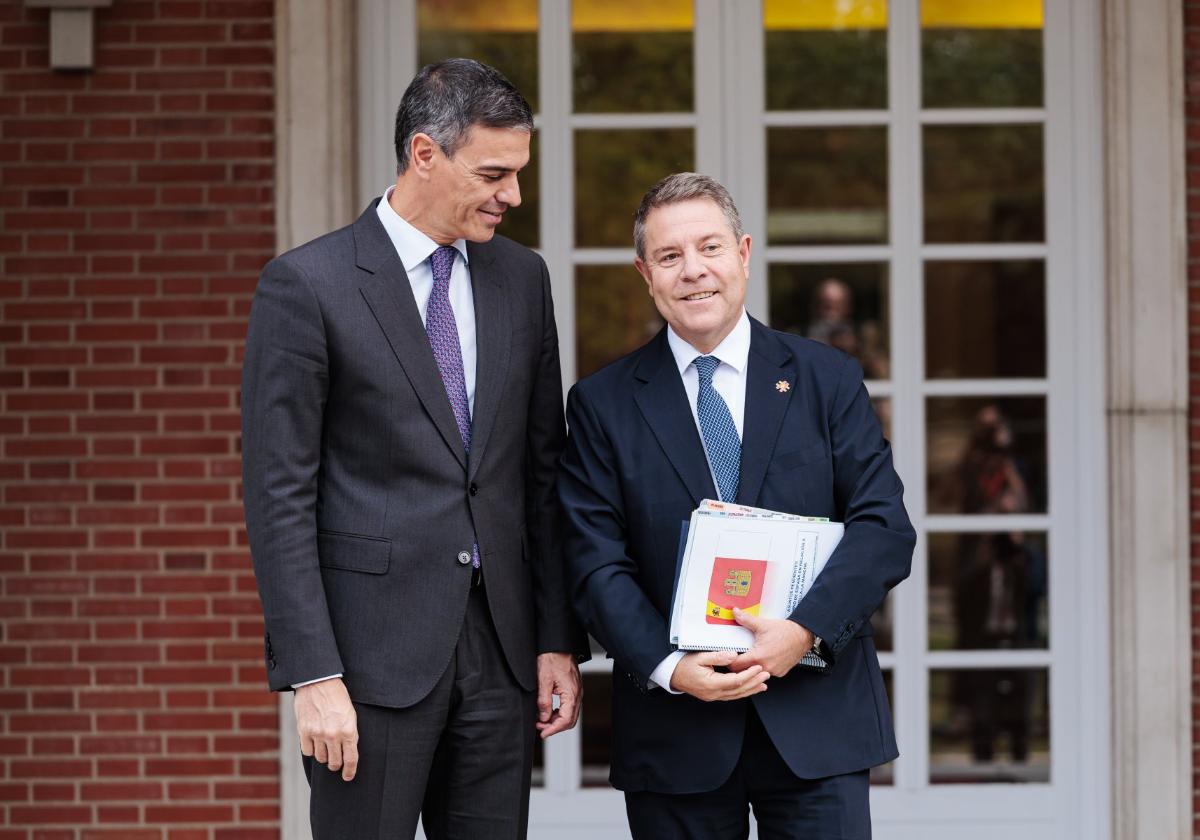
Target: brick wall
x,y
136,209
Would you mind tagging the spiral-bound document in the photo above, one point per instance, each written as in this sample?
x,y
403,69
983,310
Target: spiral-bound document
x,y
735,557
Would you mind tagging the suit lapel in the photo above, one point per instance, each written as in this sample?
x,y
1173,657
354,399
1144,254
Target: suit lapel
x,y
664,404
766,404
493,331
386,289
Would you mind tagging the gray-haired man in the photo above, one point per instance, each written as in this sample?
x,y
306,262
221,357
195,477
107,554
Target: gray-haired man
x,y
402,416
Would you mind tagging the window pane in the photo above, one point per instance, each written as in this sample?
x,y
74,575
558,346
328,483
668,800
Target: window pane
x,y
471,28
521,223
613,315
987,591
881,623
989,725
826,185
885,774
632,56
986,454
883,410
841,304
613,170
595,725
826,55
983,183
981,54
985,319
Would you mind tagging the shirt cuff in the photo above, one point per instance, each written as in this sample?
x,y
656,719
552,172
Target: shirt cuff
x,y
661,676
317,680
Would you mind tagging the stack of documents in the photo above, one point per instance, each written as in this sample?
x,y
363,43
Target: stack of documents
x,y
760,561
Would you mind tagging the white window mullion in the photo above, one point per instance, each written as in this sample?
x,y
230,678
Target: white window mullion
x,y
744,142
563,769
905,212
557,170
711,43
1077,545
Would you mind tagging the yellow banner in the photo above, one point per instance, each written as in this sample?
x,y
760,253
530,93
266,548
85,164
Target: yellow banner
x,y
676,15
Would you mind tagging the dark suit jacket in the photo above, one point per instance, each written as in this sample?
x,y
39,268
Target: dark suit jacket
x,y
634,468
359,498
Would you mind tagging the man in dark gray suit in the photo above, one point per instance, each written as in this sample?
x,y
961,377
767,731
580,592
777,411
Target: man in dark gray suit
x,y
401,420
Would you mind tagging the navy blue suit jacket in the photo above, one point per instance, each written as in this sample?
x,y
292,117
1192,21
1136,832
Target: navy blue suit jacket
x,y
634,468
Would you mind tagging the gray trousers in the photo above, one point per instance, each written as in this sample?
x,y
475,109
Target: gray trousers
x,y
460,758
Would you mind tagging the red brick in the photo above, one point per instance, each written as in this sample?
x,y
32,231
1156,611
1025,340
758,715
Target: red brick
x,y
119,653
120,700
41,768
184,721
192,674
189,766
109,791
29,631
120,745
50,815
246,790
14,792
24,677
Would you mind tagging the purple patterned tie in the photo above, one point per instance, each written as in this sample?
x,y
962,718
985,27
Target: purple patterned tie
x,y
443,338
442,330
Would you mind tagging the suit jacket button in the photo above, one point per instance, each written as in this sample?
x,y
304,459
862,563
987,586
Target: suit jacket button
x,y
271,664
464,557
474,488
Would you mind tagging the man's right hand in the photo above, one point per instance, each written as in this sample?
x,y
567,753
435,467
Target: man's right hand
x,y
695,675
328,726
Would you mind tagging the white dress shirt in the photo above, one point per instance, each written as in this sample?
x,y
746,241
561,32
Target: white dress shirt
x,y
414,249
729,380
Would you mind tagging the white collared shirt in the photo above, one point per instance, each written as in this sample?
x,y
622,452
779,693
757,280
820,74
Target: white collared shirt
x,y
414,249
729,380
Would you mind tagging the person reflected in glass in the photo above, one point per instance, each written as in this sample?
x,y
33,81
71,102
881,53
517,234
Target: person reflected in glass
x,y
993,590
833,323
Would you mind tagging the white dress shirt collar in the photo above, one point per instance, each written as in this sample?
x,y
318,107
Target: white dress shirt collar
x,y
413,246
734,350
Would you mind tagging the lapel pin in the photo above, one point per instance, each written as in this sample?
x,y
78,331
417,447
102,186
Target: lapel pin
x,y
782,386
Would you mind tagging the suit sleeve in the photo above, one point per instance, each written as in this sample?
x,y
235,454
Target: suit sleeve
x,y
876,550
603,578
285,382
557,628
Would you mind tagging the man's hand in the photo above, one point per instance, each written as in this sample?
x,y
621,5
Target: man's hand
x,y
557,675
695,675
779,643
328,726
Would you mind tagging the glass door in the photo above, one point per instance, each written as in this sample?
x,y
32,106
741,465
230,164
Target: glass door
x,y
904,169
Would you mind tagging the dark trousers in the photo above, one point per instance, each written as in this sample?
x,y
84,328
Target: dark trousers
x,y
460,758
785,807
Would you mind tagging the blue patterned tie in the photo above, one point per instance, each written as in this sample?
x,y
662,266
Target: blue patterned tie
x,y
721,440
442,330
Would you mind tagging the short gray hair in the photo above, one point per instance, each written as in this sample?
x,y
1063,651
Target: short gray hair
x,y
444,100
684,186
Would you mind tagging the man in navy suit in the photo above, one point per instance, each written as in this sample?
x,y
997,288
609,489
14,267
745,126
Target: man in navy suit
x,y
719,405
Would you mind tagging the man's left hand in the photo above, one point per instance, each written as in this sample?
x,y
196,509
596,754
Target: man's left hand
x,y
557,675
779,643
